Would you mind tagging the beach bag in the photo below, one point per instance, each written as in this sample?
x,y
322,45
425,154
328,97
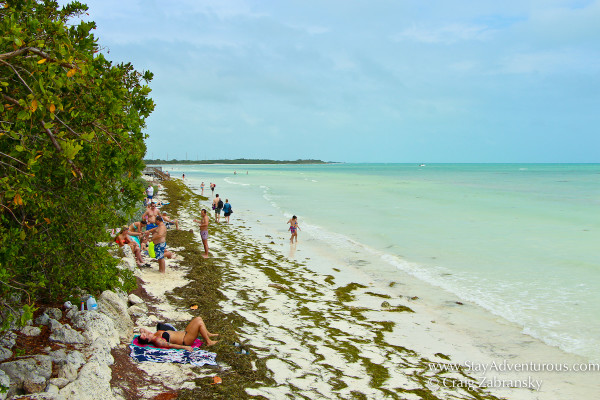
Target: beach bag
x,y
151,252
163,326
220,204
213,206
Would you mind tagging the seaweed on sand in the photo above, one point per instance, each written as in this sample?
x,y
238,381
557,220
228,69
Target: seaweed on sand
x,y
206,277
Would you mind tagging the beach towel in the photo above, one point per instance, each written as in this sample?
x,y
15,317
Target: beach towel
x,y
150,353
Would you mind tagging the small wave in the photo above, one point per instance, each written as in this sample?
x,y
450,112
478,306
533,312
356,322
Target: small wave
x,y
228,180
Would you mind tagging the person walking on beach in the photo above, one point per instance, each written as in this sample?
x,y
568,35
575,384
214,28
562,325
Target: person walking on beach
x,y
212,188
227,210
217,206
202,187
150,193
159,238
183,177
204,230
294,228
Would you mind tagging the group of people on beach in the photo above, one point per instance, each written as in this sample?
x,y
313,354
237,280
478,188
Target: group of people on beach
x,y
154,223
217,206
149,234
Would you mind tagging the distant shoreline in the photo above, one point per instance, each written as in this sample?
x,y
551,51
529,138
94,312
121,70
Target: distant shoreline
x,y
238,161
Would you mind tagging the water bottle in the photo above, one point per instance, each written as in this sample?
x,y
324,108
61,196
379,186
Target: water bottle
x,y
91,303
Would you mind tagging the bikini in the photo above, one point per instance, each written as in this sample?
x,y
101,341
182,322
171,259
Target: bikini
x,y
122,242
167,337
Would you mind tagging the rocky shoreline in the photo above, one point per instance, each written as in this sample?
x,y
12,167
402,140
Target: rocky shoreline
x,y
76,360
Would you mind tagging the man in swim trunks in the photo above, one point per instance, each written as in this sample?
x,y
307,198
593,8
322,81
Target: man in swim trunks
x,y
204,231
150,192
294,228
150,216
159,238
217,206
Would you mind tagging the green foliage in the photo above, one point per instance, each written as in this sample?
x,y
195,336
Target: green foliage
x,y
71,150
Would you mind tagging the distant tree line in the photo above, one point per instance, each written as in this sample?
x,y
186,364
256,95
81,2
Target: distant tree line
x,y
234,161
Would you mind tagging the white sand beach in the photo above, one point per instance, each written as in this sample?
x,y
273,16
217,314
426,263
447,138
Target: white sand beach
x,y
320,343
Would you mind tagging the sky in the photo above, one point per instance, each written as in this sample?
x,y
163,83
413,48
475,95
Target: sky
x,y
364,81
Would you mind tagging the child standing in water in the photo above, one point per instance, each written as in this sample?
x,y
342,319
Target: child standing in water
x,y
294,228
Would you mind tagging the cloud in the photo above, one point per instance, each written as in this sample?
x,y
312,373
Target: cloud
x,y
448,34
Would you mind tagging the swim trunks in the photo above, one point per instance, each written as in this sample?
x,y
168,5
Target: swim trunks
x,y
150,196
204,235
159,250
218,211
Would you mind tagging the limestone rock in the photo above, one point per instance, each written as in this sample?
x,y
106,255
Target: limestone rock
x,y
101,351
115,306
34,384
54,313
66,334
43,319
58,356
137,311
69,367
96,324
68,372
4,381
54,324
93,384
133,299
75,357
26,369
5,354
145,320
31,330
52,389
59,382
8,340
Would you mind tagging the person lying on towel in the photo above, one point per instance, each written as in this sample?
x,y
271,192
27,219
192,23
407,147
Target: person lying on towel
x,y
172,339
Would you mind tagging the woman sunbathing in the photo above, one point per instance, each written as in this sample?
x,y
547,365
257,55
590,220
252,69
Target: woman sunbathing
x,y
176,339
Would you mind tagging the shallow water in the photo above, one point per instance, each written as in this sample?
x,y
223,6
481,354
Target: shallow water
x,y
518,240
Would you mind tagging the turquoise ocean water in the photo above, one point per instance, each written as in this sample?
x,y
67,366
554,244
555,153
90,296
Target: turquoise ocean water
x,y
519,240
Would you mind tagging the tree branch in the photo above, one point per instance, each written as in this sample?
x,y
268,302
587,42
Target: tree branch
x,y
33,50
60,150
108,133
66,126
13,214
6,155
16,72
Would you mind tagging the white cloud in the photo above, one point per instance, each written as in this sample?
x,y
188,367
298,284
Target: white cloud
x,y
547,62
448,34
